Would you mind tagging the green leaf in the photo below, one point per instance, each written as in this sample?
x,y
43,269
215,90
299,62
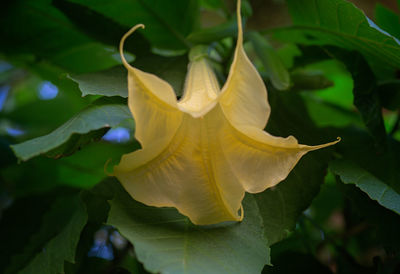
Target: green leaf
x,y
61,230
351,173
387,20
271,61
299,263
333,105
365,91
167,22
39,28
281,206
97,116
166,242
389,94
340,23
18,222
100,27
212,34
307,80
113,82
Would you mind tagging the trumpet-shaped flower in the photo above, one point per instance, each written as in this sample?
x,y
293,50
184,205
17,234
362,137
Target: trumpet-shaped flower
x,y
202,153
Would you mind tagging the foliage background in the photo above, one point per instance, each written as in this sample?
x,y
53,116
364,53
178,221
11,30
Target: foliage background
x,y
330,71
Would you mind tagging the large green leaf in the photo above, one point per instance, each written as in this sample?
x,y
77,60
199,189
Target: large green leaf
x,y
167,21
36,27
100,27
105,113
340,23
351,173
113,82
166,242
281,206
61,227
271,61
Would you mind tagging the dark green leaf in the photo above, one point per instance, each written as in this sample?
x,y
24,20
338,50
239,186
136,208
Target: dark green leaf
x,y
61,227
113,82
39,28
303,183
212,34
299,264
18,223
310,80
383,222
366,97
387,20
271,61
377,190
100,27
97,116
166,242
51,257
167,22
389,94
281,206
340,23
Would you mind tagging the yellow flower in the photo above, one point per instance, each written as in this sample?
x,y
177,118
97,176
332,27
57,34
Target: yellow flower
x,y
202,153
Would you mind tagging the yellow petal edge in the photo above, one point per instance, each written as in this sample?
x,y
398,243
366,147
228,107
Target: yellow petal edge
x,y
202,153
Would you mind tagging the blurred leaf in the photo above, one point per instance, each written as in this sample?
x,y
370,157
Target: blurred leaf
x,y
303,183
39,28
100,27
306,79
167,242
387,20
18,223
377,190
333,105
271,61
366,97
83,169
167,22
389,94
212,4
102,114
61,226
340,23
299,264
113,82
384,223
212,34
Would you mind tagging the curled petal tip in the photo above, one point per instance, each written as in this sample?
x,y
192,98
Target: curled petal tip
x,y
121,43
338,139
106,166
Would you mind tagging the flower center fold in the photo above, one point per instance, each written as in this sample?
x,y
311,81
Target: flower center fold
x,y
201,88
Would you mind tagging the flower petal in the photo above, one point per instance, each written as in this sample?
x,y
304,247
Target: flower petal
x,y
152,102
244,96
201,88
190,174
260,160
